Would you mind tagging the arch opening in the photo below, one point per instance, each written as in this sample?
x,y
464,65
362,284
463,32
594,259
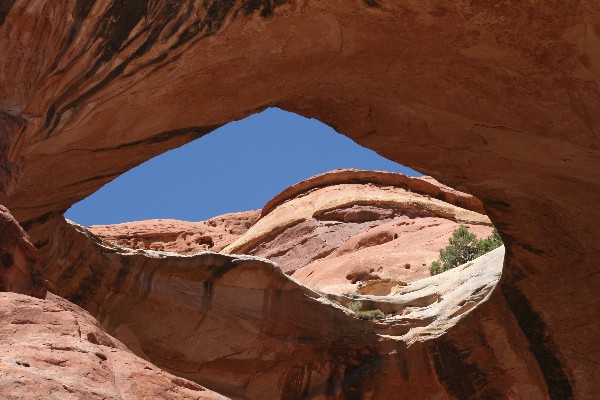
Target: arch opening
x,y
350,247
237,167
345,222
464,93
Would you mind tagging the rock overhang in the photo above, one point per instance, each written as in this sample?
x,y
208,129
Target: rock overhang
x,y
518,130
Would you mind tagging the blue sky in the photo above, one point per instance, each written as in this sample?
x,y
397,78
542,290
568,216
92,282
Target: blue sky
x,y
238,167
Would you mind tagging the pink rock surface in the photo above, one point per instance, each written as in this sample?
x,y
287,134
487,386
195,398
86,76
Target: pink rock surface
x,y
178,236
382,259
239,326
500,99
339,231
425,185
52,349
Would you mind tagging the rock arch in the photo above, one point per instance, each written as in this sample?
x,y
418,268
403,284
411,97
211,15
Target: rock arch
x,y
498,100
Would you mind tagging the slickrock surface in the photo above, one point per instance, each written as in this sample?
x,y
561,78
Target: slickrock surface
x,y
382,259
341,232
366,231
238,325
309,224
178,236
424,185
52,349
497,99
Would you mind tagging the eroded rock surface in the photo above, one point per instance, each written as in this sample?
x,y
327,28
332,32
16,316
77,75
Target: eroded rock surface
x,y
497,99
312,219
382,259
344,231
52,349
240,326
341,230
20,267
178,236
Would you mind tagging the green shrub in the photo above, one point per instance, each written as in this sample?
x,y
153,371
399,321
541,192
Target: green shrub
x,y
463,247
490,243
371,314
355,306
435,268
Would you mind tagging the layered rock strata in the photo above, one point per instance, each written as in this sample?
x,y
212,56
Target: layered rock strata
x,y
240,326
383,259
423,185
501,100
343,231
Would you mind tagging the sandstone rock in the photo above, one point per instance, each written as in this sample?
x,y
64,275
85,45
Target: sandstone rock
x,y
178,236
381,219
11,128
323,218
337,203
424,185
500,100
239,326
346,231
52,349
20,268
399,251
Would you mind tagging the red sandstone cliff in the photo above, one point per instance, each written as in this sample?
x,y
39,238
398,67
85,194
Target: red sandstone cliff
x,y
497,99
345,231
238,325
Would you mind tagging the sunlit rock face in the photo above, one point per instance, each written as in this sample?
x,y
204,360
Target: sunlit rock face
x,y
346,231
500,100
181,237
366,232
238,325
53,349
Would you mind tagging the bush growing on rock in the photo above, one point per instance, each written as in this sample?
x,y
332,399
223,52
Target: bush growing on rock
x,y
355,306
369,314
490,243
436,268
463,247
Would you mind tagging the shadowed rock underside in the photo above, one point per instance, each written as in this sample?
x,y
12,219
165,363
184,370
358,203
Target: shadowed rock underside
x,y
500,100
